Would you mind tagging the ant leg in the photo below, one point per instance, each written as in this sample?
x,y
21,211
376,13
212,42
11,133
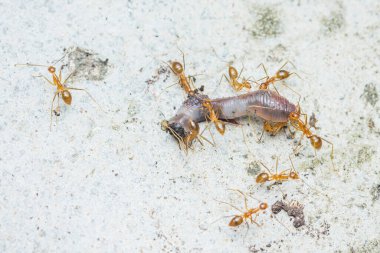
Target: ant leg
x,y
266,168
244,196
57,108
291,162
51,109
298,144
241,71
228,80
44,77
88,93
262,132
230,205
245,139
299,95
276,165
204,138
254,220
67,78
332,152
265,70
204,227
183,58
274,216
209,130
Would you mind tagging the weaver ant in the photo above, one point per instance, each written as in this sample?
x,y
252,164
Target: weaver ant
x,y
315,140
280,74
62,90
277,177
238,219
234,79
213,117
179,70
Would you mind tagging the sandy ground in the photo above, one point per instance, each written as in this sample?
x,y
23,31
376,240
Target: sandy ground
x,y
113,181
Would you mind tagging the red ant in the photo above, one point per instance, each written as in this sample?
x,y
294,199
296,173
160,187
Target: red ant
x,y
238,219
277,177
234,79
62,90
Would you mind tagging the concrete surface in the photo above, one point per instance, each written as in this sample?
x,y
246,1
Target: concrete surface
x,y
115,182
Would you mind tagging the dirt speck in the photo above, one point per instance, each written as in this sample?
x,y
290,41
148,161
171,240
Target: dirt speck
x,y
160,71
332,23
375,192
268,23
370,94
87,65
365,154
368,246
253,168
293,209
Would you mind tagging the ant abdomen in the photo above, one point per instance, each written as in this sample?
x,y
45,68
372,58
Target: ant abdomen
x,y
232,72
66,96
282,74
316,141
236,221
262,177
177,67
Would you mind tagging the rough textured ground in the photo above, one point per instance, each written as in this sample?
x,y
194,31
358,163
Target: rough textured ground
x,y
114,181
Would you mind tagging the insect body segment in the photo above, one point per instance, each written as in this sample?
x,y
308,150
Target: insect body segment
x,y
183,80
280,74
315,140
277,177
234,80
213,117
238,219
61,89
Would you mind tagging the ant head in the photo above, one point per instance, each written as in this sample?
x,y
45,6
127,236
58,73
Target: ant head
x,y
262,177
177,67
293,175
282,74
164,125
232,72
263,206
66,96
236,221
294,115
263,86
247,84
51,69
316,141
